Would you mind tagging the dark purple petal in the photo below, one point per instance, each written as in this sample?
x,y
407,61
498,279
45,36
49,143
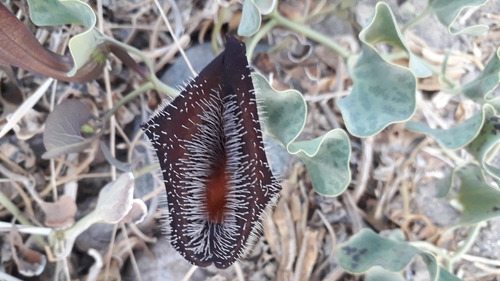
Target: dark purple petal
x,y
217,178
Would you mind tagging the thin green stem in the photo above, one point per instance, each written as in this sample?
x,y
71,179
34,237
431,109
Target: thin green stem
x,y
444,65
426,246
395,56
70,234
434,69
146,170
451,154
256,38
217,28
158,84
5,201
438,70
416,20
471,237
133,50
443,76
310,33
163,88
127,98
322,12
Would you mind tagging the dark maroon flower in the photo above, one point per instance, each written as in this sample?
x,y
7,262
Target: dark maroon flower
x,y
209,144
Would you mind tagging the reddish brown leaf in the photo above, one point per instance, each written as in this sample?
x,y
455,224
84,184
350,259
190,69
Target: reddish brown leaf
x,y
20,48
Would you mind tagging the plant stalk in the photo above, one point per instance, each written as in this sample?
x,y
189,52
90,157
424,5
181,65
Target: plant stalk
x,y
416,20
146,170
471,237
259,35
310,33
145,87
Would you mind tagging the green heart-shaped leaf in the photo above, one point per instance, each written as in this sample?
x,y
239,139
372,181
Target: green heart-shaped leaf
x,y
457,136
250,19
327,160
366,249
384,29
115,201
481,88
265,6
378,273
82,46
480,201
485,146
444,184
447,12
326,157
382,93
377,101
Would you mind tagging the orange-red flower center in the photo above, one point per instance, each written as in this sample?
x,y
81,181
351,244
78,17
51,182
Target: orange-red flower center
x,y
217,190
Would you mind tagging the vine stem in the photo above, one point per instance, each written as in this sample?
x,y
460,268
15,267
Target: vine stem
x,y
145,87
146,170
256,38
162,87
158,84
452,155
5,201
471,237
426,246
310,33
450,259
416,20
217,28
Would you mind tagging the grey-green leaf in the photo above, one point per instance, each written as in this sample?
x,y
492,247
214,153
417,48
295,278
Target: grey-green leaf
x,y
444,184
250,19
114,202
456,136
52,12
327,160
382,93
485,146
376,101
265,6
115,199
378,273
447,12
62,129
480,201
366,249
326,157
384,29
481,88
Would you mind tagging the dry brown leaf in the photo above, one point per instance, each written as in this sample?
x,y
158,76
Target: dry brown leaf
x,y
437,58
429,84
137,213
29,262
286,229
30,125
60,214
308,254
272,236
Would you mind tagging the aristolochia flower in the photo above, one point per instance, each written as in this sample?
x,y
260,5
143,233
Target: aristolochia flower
x,y
209,144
